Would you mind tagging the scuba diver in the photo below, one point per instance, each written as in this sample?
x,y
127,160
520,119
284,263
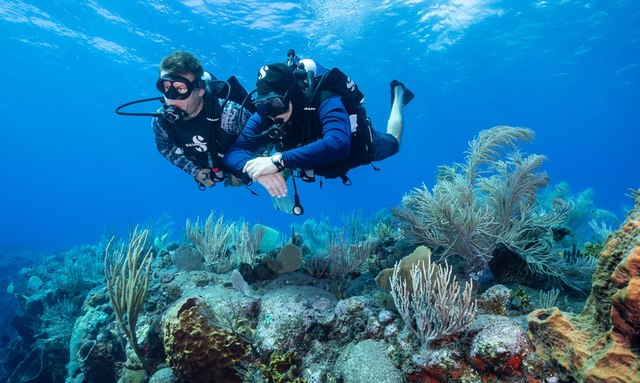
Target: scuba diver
x,y
316,121
199,119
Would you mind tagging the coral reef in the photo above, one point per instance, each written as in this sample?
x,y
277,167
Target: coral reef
x,y
51,295
496,349
601,344
431,302
491,201
92,350
212,240
290,328
193,317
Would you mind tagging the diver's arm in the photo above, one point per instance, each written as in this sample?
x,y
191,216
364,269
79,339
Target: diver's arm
x,y
232,120
245,148
170,151
334,145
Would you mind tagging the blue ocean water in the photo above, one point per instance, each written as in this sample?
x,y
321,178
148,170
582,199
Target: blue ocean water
x,y
71,167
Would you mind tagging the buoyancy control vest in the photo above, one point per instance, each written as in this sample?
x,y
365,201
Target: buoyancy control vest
x,y
320,88
202,139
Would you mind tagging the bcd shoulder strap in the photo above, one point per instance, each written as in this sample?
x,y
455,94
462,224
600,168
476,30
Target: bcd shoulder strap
x,y
213,113
339,83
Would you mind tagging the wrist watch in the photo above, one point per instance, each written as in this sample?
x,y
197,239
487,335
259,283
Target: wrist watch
x,y
276,159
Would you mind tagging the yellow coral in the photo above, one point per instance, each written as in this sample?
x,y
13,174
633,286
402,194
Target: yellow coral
x,y
282,368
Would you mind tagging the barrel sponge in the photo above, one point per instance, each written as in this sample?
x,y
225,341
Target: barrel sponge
x,y
601,344
197,347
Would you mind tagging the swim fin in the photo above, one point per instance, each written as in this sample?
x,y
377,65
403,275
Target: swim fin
x,y
283,204
408,95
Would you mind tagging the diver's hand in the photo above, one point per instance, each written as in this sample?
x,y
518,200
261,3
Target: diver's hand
x,y
274,183
204,177
259,166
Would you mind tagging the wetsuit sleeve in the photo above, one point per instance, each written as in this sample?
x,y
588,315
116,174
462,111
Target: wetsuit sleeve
x,y
232,119
170,151
333,146
245,148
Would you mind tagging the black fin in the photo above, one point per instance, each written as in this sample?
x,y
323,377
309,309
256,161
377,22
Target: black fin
x,y
408,95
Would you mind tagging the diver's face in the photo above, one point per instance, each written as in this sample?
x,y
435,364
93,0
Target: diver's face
x,y
190,104
286,115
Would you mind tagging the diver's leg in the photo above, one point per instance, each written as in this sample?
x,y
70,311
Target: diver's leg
x,y
395,124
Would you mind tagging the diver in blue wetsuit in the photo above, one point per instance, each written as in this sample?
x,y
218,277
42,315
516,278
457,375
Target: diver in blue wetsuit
x,y
315,120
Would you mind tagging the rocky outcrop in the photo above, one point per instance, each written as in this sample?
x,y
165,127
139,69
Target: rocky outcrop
x,y
365,362
290,316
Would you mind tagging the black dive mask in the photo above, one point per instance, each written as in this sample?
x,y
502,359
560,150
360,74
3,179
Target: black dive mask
x,y
272,106
172,113
176,87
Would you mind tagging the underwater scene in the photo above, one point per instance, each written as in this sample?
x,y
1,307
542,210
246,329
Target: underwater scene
x,y
320,191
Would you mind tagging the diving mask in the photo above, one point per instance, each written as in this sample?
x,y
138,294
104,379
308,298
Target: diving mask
x,y
176,87
272,107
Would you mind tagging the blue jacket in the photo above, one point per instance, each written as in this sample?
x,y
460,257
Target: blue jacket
x,y
333,146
